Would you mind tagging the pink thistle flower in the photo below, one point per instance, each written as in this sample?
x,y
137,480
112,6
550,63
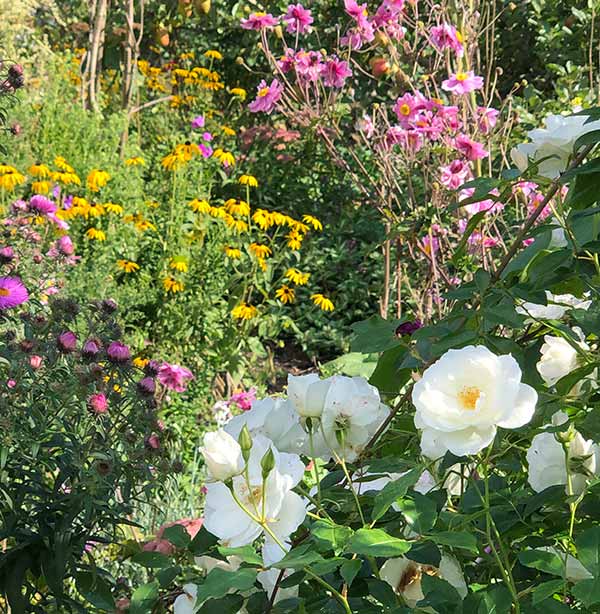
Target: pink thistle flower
x,y
7,255
65,245
11,383
487,119
267,98
298,19
118,352
152,442
42,205
335,72
462,83
174,377
455,174
243,399
446,36
258,21
12,293
470,149
98,404
67,342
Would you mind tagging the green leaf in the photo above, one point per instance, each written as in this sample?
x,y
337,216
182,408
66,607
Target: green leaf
x,y
299,557
374,335
545,590
144,598
389,375
455,539
589,138
230,604
419,511
393,491
152,560
247,553
566,383
494,601
548,562
203,542
167,575
219,582
588,591
177,535
96,590
439,594
376,542
588,550
333,535
350,569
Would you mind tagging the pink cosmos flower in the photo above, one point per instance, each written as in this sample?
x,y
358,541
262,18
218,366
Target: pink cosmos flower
x,y
198,122
355,10
244,399
309,64
12,293
258,21
410,139
446,36
298,19
462,83
335,72
287,61
487,119
267,98
407,108
455,174
470,149
449,115
388,13
489,205
174,377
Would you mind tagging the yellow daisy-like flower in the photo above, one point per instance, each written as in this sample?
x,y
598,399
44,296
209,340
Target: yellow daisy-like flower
x,y
262,263
322,301
135,161
213,54
226,158
240,92
239,225
63,165
248,180
114,208
279,219
41,187
237,207
260,251
313,221
128,266
187,150
263,219
285,294
139,362
228,131
294,240
39,170
200,206
172,161
152,204
66,178
97,179
299,226
232,252
179,263
243,311
9,181
143,225
297,277
173,285
218,212
95,210
95,234
6,168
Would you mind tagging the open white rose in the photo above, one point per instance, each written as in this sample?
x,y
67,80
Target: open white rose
x,y
186,602
404,576
558,305
222,455
283,509
559,357
548,460
554,142
465,396
307,394
352,414
274,418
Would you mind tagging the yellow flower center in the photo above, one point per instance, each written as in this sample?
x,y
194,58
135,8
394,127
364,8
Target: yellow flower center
x,y
4,292
461,76
405,109
469,396
459,37
263,92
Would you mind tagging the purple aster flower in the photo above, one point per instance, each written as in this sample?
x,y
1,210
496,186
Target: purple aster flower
x,y
67,342
267,97
12,292
41,204
65,245
198,122
205,150
118,352
207,136
68,202
174,377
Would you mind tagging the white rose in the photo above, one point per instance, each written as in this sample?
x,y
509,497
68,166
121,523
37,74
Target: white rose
x,y
274,418
208,563
307,394
558,305
559,357
404,576
222,455
186,602
465,396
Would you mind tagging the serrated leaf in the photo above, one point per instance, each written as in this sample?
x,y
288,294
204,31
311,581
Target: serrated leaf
x,y
247,553
334,535
376,542
219,582
455,539
393,491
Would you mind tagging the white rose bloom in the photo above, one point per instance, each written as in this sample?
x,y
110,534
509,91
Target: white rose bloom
x,y
208,563
404,576
558,305
548,460
307,394
284,509
352,414
554,142
222,455
559,357
465,396
274,418
186,602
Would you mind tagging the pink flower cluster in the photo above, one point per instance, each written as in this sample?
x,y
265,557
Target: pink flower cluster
x,y
174,377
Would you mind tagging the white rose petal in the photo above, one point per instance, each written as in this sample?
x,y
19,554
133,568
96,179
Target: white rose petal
x,y
307,394
559,357
186,603
222,455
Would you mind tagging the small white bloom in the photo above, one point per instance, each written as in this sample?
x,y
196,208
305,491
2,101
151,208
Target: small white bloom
x,y
465,396
559,357
221,413
404,576
222,455
558,305
186,602
307,394
272,499
352,414
274,418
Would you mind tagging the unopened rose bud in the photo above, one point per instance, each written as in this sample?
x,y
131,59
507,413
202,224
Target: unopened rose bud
x,y
35,361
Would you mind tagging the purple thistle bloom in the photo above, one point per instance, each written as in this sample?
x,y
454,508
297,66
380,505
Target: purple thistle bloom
x,y
67,342
7,254
198,122
91,349
118,352
41,204
146,386
152,368
12,292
